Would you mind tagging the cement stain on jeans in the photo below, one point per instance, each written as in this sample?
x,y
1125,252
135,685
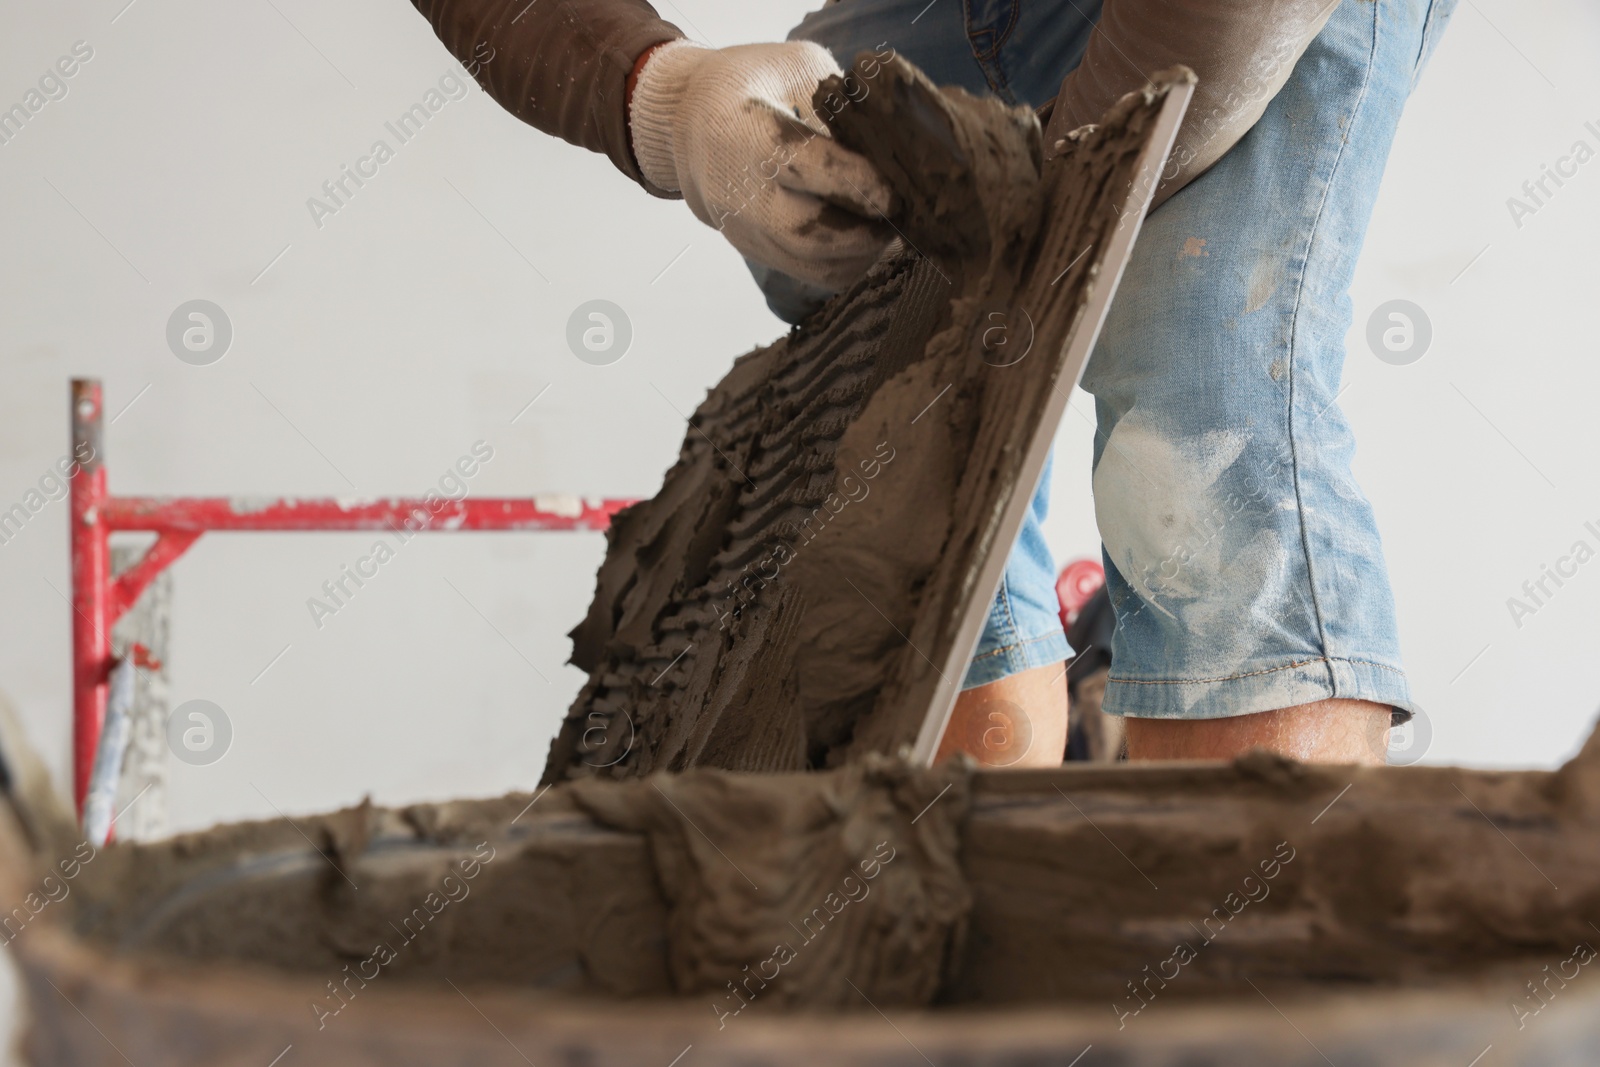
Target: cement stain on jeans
x,y
1168,509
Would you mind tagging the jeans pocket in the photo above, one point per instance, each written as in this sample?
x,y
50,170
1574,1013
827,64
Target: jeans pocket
x,y
1433,24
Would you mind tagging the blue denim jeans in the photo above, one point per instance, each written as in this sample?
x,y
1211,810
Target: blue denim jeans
x,y
1242,559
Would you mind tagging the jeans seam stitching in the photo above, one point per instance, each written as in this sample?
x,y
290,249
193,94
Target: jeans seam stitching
x,y
1429,32
1004,649
1011,617
1014,7
1294,334
993,72
1330,660
1422,41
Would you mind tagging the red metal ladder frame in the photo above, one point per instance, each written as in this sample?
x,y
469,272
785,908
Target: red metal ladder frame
x,y
98,600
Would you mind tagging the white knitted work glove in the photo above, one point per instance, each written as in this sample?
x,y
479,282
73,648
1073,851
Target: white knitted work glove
x,y
733,129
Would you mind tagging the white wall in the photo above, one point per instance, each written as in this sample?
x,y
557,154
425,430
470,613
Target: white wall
x,y
1481,457
379,347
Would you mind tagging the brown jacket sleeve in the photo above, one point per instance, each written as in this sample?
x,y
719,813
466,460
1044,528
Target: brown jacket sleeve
x,y
1242,52
559,65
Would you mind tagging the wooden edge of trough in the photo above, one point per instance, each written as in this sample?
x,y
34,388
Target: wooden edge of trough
x,y
91,1010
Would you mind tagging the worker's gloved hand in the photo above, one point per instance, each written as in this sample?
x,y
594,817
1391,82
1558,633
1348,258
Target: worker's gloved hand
x,y
733,129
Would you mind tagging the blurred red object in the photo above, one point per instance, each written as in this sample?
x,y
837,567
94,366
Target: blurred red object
x,y
1079,581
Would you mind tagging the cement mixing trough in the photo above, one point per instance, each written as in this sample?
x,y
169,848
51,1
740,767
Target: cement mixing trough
x,y
1262,912
849,905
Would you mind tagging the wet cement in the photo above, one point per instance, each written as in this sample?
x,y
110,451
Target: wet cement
x,y
1399,915
791,596
792,889
1127,888
847,884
